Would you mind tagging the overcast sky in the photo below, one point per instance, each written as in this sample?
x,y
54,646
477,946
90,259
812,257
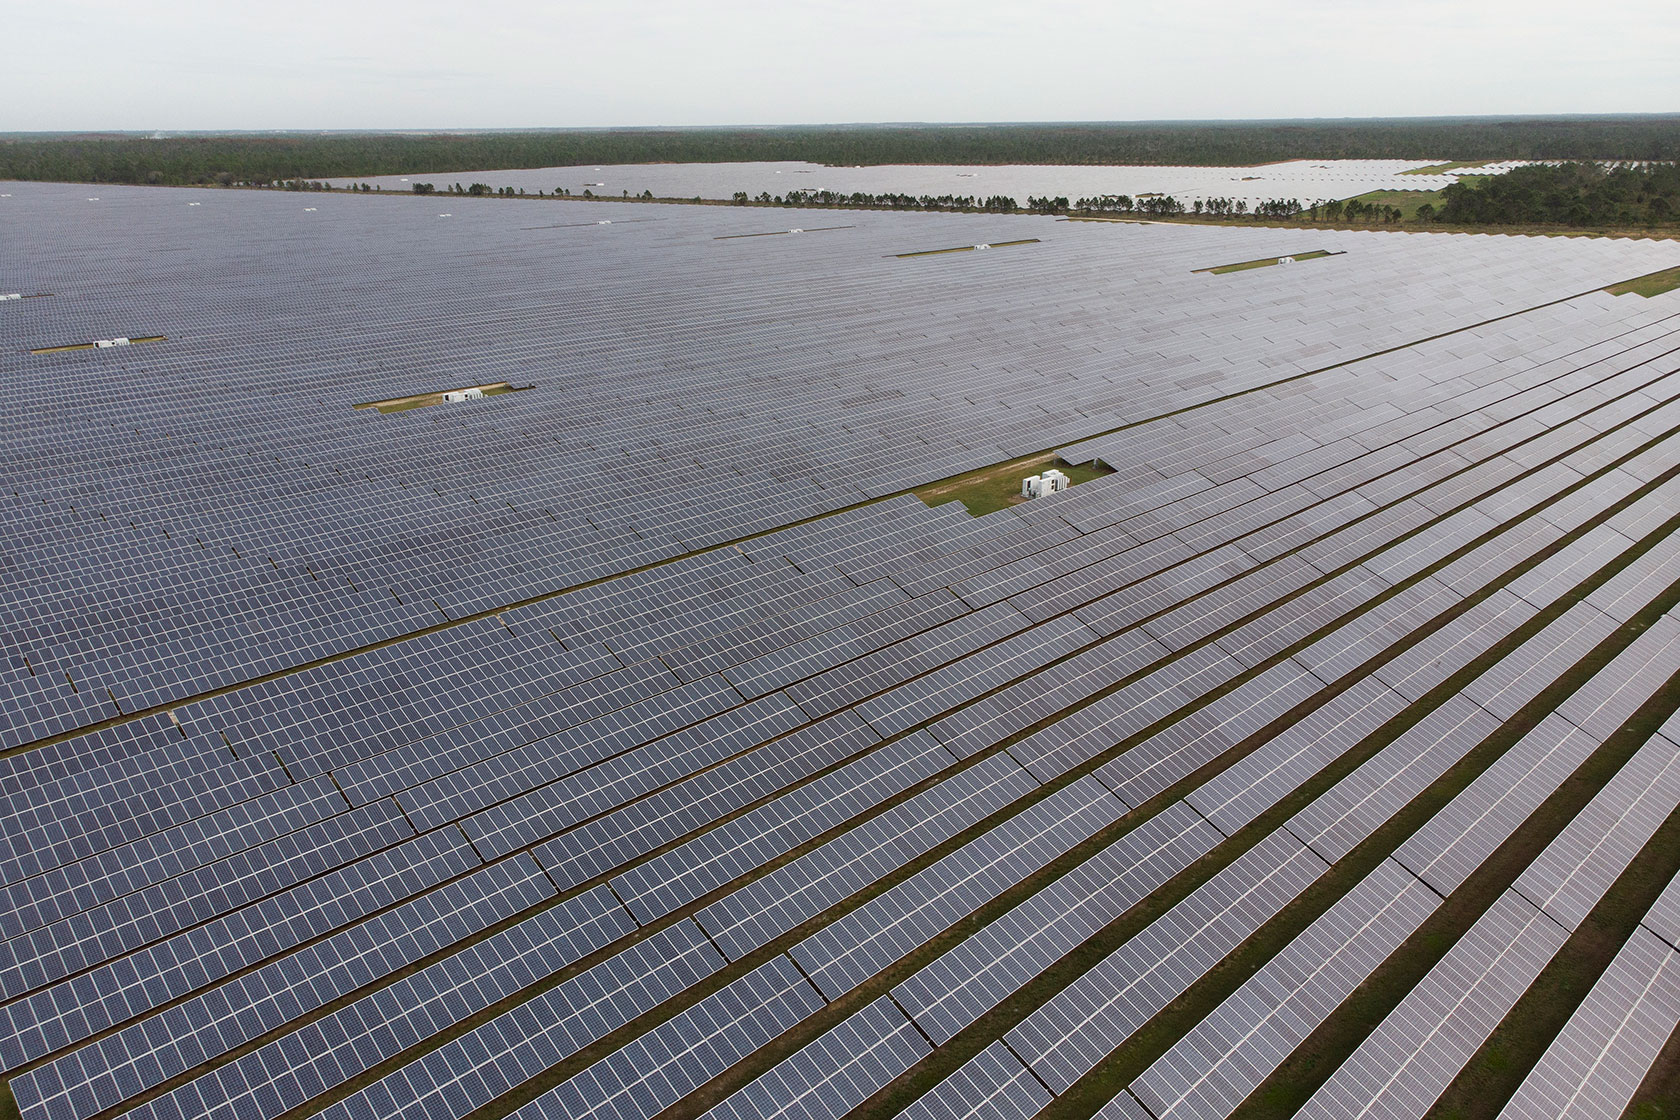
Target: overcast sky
x,y
189,64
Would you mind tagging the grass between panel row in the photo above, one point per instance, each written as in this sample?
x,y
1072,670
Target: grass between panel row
x,y
1324,1051
509,922
1000,1019
530,992
1311,1063
976,1038
1653,284
1498,1067
171,706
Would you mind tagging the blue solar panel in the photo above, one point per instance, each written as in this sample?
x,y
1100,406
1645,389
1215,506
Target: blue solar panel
x,y
612,708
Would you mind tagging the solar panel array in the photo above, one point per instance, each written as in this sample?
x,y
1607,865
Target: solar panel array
x,y
1306,180
633,743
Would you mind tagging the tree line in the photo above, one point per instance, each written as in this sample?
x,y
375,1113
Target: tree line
x,y
1570,194
1144,205
1580,194
205,159
995,204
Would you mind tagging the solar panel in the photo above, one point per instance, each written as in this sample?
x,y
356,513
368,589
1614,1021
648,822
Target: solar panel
x,y
661,1067
794,892
1454,842
1336,821
1572,874
1254,1029
1123,1106
327,1052
834,1074
611,841
688,872
851,949
992,1085
1153,766
1663,919
217,1020
474,1069
1409,1060
1596,1064
740,697
1263,777
1089,1018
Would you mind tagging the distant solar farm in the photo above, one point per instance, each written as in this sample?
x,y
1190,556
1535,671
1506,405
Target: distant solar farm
x,y
1305,180
467,659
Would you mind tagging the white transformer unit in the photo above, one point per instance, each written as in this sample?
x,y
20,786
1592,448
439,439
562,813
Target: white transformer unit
x,y
1040,485
464,395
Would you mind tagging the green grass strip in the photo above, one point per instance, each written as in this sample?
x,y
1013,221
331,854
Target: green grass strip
x,y
1654,284
967,248
1265,262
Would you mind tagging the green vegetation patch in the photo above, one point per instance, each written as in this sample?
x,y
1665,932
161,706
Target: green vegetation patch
x,y
967,248
780,232
67,347
1443,168
1568,194
1654,284
1244,266
424,400
1407,202
990,489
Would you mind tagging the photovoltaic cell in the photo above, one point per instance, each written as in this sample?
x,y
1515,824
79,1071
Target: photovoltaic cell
x,y
1409,1060
474,1069
1272,1013
970,979
767,907
1596,1064
1090,1018
834,1074
992,1085
678,1056
853,948
189,552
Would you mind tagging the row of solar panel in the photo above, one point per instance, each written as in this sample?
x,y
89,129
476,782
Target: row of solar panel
x,y
417,587
976,1013
1090,1019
